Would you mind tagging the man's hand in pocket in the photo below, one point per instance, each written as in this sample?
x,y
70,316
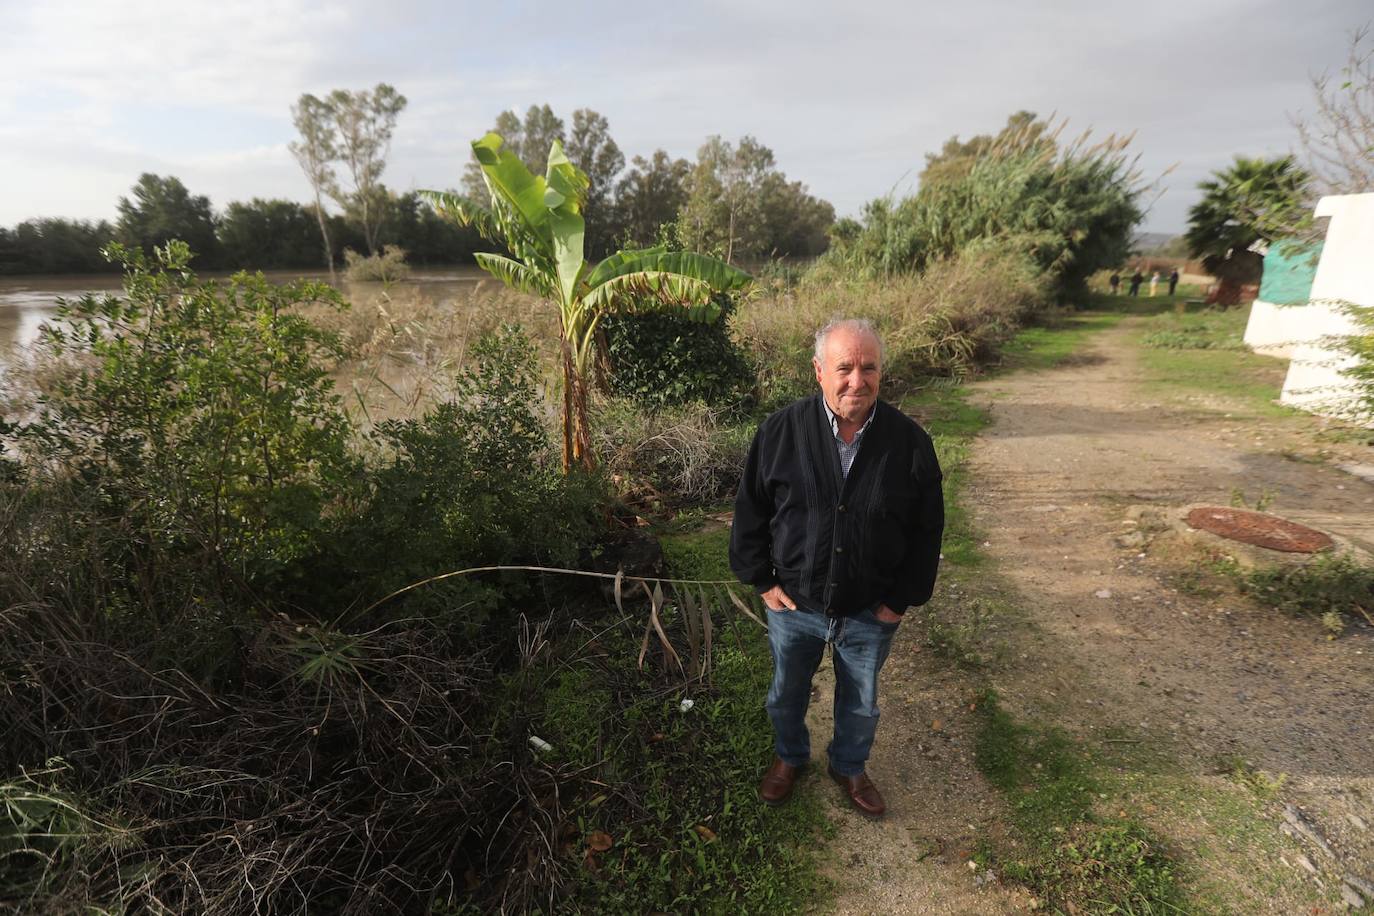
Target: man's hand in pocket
x,y
775,599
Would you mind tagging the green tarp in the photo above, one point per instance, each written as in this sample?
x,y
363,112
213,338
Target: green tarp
x,y
1288,271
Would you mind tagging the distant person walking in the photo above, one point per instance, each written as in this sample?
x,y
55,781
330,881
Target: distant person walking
x,y
1137,278
1115,281
1173,280
1154,284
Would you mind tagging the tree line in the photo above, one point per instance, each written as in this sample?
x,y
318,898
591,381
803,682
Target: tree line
x,y
732,200
257,234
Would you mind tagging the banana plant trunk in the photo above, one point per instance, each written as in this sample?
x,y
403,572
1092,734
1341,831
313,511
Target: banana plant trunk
x,y
577,429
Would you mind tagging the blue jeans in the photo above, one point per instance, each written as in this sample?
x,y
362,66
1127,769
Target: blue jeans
x,y
861,644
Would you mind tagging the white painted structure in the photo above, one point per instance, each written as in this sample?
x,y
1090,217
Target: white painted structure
x,y
1275,330
1345,278
1305,333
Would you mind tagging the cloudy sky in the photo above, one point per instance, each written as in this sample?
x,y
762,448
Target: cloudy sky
x,y
849,96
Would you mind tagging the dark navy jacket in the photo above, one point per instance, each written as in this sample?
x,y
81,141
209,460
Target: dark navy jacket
x,y
839,545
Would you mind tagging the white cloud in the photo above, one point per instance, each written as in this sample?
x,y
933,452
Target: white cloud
x,y
850,98
242,54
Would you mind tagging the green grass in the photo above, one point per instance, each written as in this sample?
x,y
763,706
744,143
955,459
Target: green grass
x,y
1195,353
1063,847
1045,346
696,838
943,409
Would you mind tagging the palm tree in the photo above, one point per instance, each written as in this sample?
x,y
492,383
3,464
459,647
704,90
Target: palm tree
x,y
539,221
1249,201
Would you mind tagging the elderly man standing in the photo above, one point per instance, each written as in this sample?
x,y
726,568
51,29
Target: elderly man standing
x,y
837,526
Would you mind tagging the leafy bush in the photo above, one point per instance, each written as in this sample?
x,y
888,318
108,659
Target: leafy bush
x,y
660,359
1071,209
688,453
1358,404
473,482
387,267
220,749
196,419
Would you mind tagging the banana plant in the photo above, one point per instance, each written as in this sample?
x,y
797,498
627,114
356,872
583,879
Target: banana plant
x,y
539,222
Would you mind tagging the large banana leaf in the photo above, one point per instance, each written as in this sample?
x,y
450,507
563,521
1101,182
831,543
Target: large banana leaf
x,y
519,277
618,263
566,189
500,224
464,212
721,277
649,289
507,178
566,184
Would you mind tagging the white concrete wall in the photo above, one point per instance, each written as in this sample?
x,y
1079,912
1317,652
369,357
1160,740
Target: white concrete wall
x,y
1275,330
1345,274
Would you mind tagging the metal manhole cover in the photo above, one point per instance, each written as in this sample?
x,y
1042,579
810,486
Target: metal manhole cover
x,y
1259,529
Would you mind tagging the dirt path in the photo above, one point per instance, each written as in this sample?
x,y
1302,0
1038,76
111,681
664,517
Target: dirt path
x,y
1068,452
1109,642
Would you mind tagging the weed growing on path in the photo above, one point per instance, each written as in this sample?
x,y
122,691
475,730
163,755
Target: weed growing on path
x,y
1331,588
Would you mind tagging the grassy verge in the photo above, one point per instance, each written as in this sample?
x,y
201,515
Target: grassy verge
x,y
1057,340
1201,353
694,838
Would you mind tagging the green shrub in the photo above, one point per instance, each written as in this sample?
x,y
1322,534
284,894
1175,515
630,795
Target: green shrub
x,y
1071,209
387,267
473,482
660,359
194,421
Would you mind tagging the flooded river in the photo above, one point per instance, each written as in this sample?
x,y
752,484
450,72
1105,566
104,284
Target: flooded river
x,y
26,302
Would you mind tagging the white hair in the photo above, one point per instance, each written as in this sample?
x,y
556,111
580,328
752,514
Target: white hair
x,y
852,325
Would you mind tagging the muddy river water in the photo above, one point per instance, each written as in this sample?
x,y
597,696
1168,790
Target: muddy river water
x,y
26,302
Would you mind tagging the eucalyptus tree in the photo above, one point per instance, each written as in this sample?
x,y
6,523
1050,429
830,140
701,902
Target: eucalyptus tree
x,y
724,209
592,149
315,152
363,122
742,206
539,221
650,195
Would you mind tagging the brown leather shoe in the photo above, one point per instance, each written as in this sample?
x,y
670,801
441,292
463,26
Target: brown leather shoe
x,y
863,794
777,782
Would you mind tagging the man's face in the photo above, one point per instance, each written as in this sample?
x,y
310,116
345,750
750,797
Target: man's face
x,y
849,373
